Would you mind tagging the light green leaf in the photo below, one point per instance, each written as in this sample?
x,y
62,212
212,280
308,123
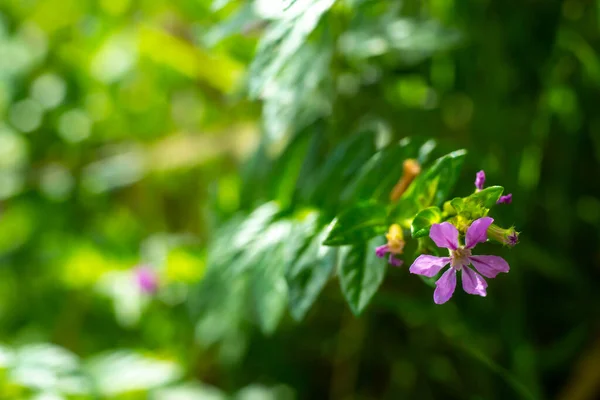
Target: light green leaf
x,y
486,197
361,273
47,367
267,282
123,371
358,224
423,221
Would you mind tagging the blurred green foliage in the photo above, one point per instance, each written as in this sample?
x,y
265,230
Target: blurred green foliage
x,y
222,143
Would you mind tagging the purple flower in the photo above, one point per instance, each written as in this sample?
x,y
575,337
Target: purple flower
x,y
480,180
446,235
395,245
146,279
505,199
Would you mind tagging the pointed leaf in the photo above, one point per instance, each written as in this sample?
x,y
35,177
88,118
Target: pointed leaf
x,y
361,273
267,281
340,168
381,172
308,273
287,167
358,224
430,188
423,221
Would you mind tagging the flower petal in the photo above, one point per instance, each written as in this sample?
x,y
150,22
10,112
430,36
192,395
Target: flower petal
x,y
489,266
473,283
477,232
381,251
445,287
396,262
428,265
444,235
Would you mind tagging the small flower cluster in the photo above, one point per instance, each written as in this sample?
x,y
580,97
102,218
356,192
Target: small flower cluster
x,y
460,257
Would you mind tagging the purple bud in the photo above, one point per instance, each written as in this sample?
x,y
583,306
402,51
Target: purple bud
x,y
396,262
505,199
381,251
147,279
480,180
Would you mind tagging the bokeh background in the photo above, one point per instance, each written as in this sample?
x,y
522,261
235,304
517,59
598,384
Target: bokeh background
x,y
131,131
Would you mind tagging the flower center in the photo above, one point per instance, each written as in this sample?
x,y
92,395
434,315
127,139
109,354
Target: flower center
x,y
460,258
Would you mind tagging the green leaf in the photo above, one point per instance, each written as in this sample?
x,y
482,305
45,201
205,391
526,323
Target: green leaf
x,y
282,41
486,197
308,273
357,224
423,221
361,273
124,371
381,172
430,188
267,281
289,72
340,168
46,367
446,170
287,167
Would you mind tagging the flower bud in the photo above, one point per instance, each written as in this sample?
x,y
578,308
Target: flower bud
x,y
509,237
480,180
411,169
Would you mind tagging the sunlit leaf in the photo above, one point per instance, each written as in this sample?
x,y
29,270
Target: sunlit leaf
x,y
381,172
123,371
486,197
357,224
48,367
423,221
430,188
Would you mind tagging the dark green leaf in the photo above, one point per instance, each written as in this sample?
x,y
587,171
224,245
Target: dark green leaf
x,y
361,273
287,168
423,221
340,168
357,224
